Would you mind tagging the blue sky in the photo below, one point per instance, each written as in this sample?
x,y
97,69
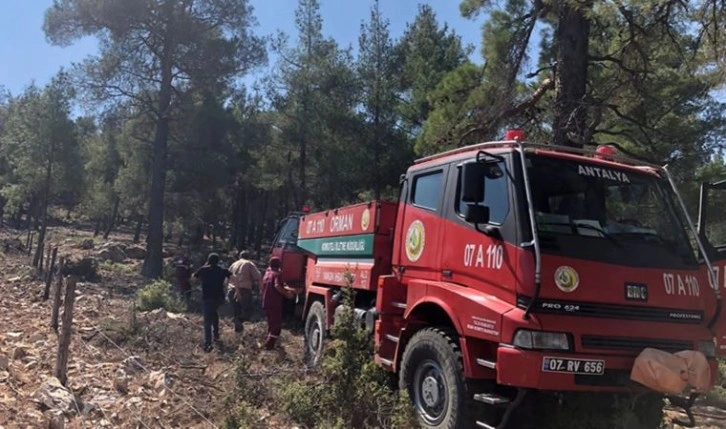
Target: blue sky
x,y
28,57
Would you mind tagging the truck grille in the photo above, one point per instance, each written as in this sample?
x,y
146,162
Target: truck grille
x,y
612,311
634,344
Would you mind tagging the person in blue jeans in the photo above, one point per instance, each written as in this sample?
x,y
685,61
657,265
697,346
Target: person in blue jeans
x,y
213,278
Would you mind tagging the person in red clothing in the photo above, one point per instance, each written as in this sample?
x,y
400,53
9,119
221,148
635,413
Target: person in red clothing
x,y
273,294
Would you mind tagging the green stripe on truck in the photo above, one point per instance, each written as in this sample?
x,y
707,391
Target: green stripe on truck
x,y
351,245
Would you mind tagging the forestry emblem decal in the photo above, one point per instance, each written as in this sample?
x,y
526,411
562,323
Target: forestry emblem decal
x,y
365,219
567,279
415,240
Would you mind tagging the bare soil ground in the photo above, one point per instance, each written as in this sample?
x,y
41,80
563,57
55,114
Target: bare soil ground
x,y
126,368
131,369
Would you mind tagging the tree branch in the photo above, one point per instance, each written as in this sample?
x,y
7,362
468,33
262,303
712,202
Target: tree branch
x,y
545,86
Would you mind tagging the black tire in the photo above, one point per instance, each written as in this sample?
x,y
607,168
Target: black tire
x,y
433,374
315,334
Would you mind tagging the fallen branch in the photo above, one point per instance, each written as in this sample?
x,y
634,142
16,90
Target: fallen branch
x,y
192,366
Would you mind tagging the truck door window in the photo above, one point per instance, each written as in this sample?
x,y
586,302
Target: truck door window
x,y
427,190
496,197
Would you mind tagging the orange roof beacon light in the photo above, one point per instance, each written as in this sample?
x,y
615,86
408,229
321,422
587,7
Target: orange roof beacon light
x,y
306,209
514,135
605,152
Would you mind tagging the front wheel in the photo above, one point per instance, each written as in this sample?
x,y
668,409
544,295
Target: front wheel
x,y
433,374
314,333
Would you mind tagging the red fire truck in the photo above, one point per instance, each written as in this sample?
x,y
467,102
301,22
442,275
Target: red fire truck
x,y
507,268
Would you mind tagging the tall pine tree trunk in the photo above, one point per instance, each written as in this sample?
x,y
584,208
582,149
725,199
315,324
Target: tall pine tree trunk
x,y
376,153
38,217
244,220
153,267
112,219
572,44
238,218
261,224
303,165
139,225
31,210
3,201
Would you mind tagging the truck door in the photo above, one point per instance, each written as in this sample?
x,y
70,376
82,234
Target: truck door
x,y
285,247
420,218
712,230
482,256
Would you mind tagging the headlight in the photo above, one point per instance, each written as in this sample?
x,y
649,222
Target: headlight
x,y
541,340
708,348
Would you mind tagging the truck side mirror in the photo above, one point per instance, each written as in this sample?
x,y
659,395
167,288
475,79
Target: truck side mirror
x,y
472,181
477,214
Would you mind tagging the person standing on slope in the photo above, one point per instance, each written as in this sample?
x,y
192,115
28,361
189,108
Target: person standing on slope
x,y
273,294
213,278
244,275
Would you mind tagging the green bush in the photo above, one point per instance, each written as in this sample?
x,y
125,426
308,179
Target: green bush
x,y
116,268
118,331
243,417
159,295
719,390
351,390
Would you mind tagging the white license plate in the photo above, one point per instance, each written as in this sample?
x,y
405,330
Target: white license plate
x,y
573,366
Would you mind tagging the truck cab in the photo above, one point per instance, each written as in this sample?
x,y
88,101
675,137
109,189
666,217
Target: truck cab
x,y
285,247
521,267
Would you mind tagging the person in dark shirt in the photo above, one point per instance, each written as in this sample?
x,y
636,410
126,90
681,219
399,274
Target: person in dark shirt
x,y
213,278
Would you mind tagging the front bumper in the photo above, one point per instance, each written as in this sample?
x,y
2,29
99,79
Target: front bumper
x,y
523,368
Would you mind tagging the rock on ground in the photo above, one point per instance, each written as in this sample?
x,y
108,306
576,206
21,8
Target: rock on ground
x,y
111,253
136,252
56,397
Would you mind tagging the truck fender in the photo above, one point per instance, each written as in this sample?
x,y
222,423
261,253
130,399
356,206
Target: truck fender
x,y
434,303
323,294
431,311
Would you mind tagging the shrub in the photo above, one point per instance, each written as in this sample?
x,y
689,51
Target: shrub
x,y
116,268
244,416
158,295
352,390
118,331
718,393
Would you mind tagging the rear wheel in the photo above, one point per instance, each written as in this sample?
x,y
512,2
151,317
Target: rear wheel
x,y
314,333
432,372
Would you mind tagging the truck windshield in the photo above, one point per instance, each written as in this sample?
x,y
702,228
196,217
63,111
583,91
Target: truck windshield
x,y
586,210
287,232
